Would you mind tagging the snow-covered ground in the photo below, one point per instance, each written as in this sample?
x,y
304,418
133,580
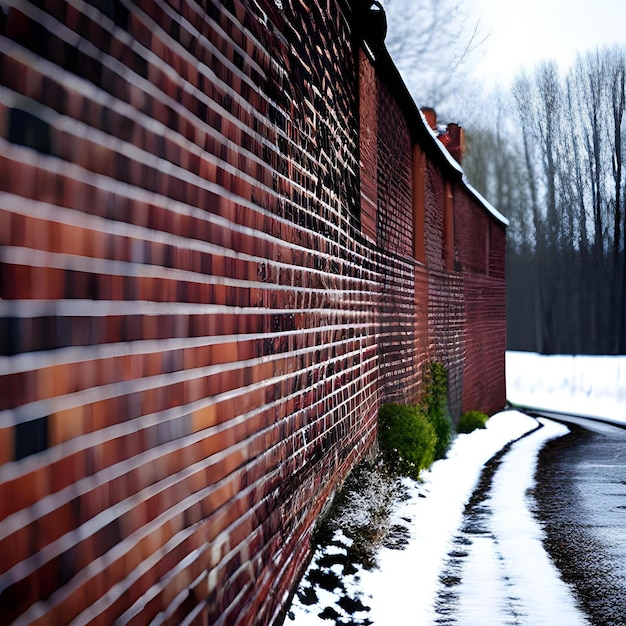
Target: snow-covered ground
x,y
591,386
434,521
508,573
403,588
506,563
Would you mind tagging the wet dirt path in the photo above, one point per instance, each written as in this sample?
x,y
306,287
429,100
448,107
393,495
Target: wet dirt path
x,y
581,504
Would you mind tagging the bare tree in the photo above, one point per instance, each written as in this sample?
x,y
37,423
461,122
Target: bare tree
x,y
617,70
590,79
431,42
522,95
576,184
572,135
616,61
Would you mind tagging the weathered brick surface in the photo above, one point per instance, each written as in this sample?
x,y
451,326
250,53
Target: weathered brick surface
x,y
396,341
368,146
207,287
483,383
480,243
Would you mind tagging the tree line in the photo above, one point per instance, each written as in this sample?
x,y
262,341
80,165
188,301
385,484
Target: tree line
x,y
551,158
549,153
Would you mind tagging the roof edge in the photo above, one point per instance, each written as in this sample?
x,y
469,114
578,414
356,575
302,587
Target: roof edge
x,y
420,129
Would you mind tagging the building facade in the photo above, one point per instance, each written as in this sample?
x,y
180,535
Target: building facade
x,y
227,235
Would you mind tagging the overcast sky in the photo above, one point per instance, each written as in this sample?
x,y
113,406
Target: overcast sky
x,y
521,33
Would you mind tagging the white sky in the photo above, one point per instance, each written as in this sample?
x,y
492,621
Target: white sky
x,y
523,32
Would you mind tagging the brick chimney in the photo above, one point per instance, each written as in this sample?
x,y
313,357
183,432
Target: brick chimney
x,y
451,136
431,117
456,141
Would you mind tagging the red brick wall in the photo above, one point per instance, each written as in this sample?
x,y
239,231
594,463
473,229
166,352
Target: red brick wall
x,y
368,146
471,235
396,341
436,307
480,245
483,382
434,186
445,287
196,322
188,335
395,172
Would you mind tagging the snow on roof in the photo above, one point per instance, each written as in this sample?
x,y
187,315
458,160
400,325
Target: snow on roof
x,y
454,163
488,206
396,82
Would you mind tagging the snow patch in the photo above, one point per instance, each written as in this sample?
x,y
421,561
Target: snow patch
x,y
589,386
403,588
544,599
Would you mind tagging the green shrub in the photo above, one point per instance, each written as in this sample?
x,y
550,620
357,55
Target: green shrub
x,y
443,429
435,405
407,439
472,420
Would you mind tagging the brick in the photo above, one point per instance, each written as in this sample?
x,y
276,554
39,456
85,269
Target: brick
x,y
209,259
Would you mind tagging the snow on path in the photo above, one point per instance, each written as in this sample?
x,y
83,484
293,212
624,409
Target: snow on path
x,y
507,571
403,589
506,575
